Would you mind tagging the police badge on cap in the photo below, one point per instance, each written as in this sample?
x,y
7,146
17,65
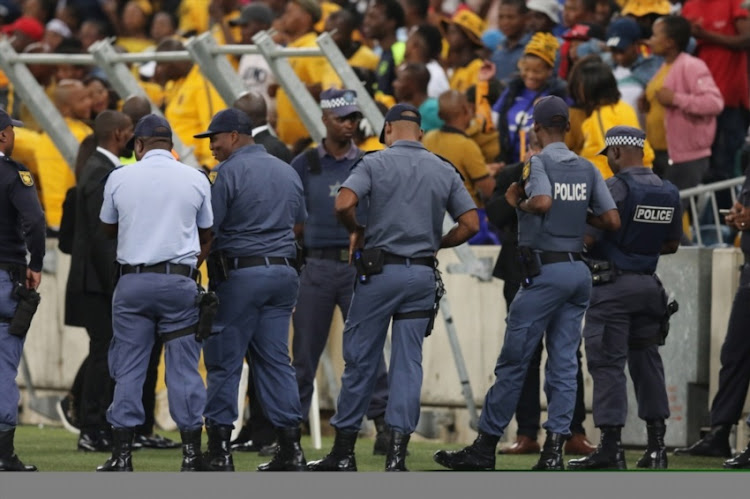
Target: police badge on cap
x,y
339,102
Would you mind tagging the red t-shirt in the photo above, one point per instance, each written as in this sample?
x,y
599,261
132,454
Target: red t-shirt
x,y
728,67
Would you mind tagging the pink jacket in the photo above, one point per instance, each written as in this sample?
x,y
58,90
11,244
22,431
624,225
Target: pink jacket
x,y
691,120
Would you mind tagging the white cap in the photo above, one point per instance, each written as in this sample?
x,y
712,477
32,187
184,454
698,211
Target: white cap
x,y
59,27
549,7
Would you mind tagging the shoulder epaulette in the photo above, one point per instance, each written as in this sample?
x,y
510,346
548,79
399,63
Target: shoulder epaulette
x,y
452,166
116,168
361,156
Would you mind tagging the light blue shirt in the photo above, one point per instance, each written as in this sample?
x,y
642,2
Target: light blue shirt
x,y
159,204
409,189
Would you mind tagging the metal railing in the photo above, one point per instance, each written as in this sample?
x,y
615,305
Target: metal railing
x,y
704,195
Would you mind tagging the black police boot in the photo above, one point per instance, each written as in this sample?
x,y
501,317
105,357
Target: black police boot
x,y
218,457
551,458
382,439
714,444
740,461
289,456
341,457
655,457
192,459
8,459
122,448
395,460
609,454
479,456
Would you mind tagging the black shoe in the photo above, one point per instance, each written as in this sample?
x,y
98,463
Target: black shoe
x,y
154,441
67,411
655,457
714,444
341,457
479,456
95,441
192,459
269,450
218,456
8,459
289,456
395,460
740,461
246,446
552,451
122,447
609,454
382,438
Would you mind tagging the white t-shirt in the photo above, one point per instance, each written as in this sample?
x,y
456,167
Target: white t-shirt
x,y
438,79
256,75
630,89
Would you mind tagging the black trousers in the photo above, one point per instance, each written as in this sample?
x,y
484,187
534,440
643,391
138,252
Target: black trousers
x,y
734,376
529,410
93,379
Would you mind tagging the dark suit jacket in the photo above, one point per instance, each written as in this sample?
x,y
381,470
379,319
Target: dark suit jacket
x,y
93,256
503,216
274,146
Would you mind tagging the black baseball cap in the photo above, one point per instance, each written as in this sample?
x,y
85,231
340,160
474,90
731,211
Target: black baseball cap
x,y
228,120
397,113
6,120
256,11
151,125
548,111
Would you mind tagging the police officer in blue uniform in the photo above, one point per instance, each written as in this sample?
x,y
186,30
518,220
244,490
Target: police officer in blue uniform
x,y
557,190
327,279
160,211
409,190
258,207
22,228
628,313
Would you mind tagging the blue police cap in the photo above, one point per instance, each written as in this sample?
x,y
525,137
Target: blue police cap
x,y
228,120
551,111
398,113
6,120
151,125
339,102
623,33
623,136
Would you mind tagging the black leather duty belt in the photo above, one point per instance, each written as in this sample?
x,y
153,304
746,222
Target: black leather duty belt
x,y
547,257
243,262
391,259
335,254
161,268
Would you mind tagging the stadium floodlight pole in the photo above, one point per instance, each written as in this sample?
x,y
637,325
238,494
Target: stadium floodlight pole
x,y
215,67
350,80
33,95
125,84
304,104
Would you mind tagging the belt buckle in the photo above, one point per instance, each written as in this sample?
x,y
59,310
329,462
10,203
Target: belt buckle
x,y
344,255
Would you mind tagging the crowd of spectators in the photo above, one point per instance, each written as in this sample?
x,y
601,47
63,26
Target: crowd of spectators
x,y
474,69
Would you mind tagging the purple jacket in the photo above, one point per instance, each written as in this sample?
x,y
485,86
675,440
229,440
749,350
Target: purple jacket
x,y
690,121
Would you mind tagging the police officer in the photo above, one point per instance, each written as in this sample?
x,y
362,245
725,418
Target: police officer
x,y
734,376
327,279
409,190
258,204
624,322
160,211
22,228
557,189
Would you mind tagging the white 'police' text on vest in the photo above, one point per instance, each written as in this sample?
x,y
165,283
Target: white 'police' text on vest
x,y
653,214
570,192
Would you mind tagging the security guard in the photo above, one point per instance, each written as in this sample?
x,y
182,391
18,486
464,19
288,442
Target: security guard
x,y
160,211
409,190
557,190
22,227
628,314
258,207
327,280
734,376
